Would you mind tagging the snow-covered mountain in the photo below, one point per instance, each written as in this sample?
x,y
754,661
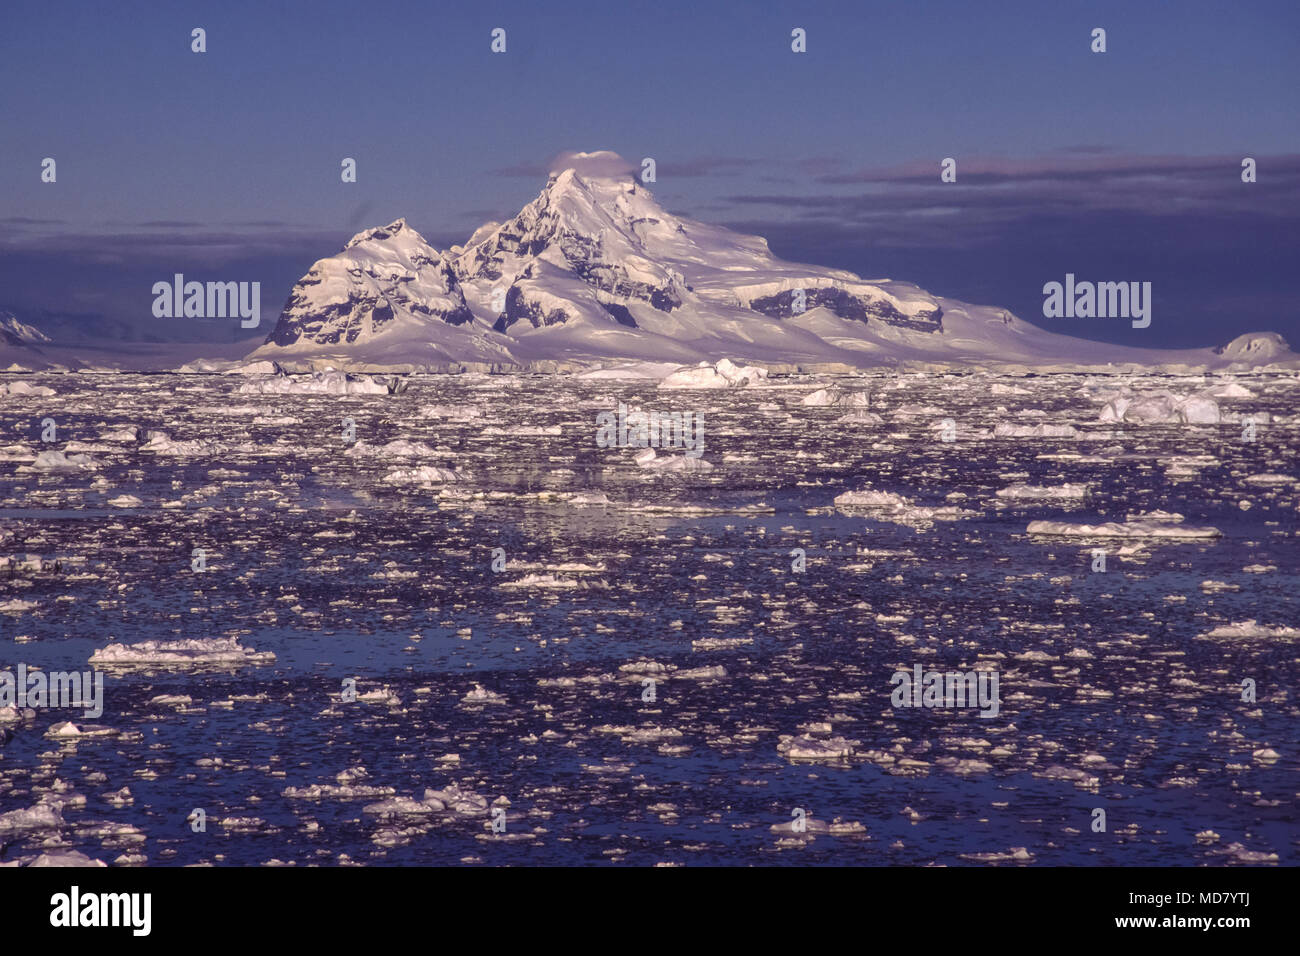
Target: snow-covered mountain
x,y
14,332
20,344
595,270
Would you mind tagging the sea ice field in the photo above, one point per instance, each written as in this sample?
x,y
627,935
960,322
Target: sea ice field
x,y
340,625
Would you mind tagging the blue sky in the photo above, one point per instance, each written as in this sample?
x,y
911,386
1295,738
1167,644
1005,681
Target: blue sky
x,y
1115,166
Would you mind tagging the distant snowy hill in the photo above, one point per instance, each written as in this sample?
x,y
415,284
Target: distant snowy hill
x,y
20,345
14,332
594,271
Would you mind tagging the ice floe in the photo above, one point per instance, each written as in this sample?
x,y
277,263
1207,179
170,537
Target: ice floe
x,y
422,475
723,374
1041,430
1162,407
180,654
836,397
1020,491
888,506
1252,630
320,383
24,389
1152,527
683,464
59,461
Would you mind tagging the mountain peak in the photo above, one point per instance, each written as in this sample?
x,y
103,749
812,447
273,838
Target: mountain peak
x,y
380,233
583,193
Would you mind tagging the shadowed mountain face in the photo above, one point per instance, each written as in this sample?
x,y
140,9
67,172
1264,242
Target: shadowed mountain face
x,y
595,269
381,274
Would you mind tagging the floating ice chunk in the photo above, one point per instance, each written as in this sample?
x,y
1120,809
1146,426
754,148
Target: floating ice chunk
x,y
65,858
1161,408
640,735
740,375
456,799
587,499
725,374
544,581
125,501
964,767
1238,852
539,431
645,667
58,461
836,397
1199,410
329,791
481,695
808,748
1017,854
399,806
1229,390
453,412
16,453
1213,587
1041,430
17,389
888,506
717,672
42,816
1000,389
382,695
807,825
242,824
1021,491
330,382
872,499
1259,418
576,567
398,448
119,434
160,443
1244,630
180,654
720,643
66,729
677,464
1269,479
1151,528
422,475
